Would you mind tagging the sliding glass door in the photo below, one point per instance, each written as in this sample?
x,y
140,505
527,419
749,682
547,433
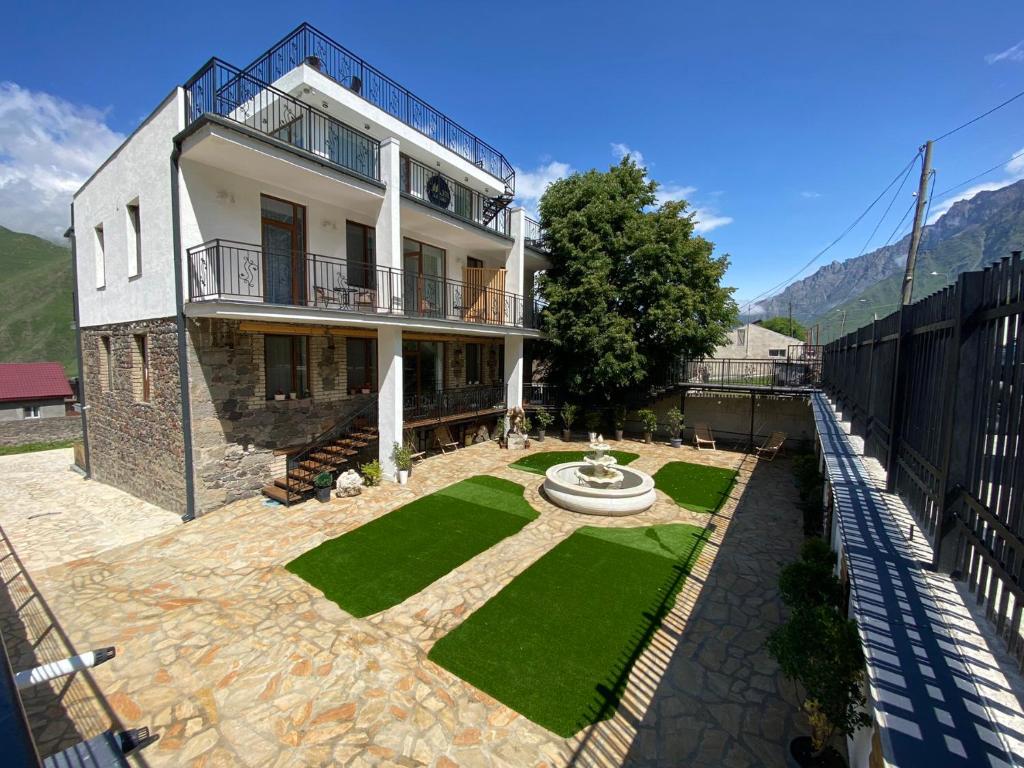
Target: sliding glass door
x,y
423,268
284,245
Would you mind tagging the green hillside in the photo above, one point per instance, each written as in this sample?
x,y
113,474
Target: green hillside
x,y
35,294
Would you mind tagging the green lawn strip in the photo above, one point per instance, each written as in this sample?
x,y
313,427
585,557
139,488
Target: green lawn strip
x,y
539,463
558,642
695,486
385,561
11,450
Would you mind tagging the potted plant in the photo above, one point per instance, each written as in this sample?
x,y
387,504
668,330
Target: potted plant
x,y
279,395
675,426
293,396
569,413
649,423
619,420
820,650
323,483
543,419
593,422
365,389
372,473
402,456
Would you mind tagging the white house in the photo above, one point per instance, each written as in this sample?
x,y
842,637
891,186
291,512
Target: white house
x,y
754,341
273,243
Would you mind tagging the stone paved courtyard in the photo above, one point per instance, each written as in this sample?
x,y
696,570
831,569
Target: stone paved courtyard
x,y
235,661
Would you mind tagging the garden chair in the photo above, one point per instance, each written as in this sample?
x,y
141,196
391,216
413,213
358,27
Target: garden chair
x,y
771,446
407,438
702,435
443,439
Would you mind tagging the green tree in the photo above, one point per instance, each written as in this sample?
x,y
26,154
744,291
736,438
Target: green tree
x,y
631,287
785,326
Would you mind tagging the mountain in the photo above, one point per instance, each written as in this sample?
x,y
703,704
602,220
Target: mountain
x,y
35,294
972,234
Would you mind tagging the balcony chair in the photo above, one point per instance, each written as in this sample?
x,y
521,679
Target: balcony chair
x,y
443,439
410,442
771,446
702,435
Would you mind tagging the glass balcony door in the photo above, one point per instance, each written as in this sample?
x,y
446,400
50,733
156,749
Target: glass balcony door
x,y
284,245
423,281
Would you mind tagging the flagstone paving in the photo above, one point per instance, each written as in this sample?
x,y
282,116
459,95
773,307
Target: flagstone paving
x,y
235,661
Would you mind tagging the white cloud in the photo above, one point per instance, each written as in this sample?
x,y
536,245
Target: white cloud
x,y
624,150
48,148
706,218
530,185
1014,170
810,194
1013,53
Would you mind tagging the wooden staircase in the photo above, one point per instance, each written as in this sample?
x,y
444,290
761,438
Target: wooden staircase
x,y
329,456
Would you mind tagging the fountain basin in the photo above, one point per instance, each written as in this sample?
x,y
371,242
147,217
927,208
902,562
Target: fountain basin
x,y
563,487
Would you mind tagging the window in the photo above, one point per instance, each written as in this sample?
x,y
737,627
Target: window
x,y
474,363
134,239
776,353
360,253
140,368
285,360
100,256
106,365
361,361
741,337
31,412
474,263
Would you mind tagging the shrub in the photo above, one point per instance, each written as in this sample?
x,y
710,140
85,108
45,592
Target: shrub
x,y
619,414
648,419
526,426
402,456
543,419
810,485
569,415
372,473
675,422
592,421
323,480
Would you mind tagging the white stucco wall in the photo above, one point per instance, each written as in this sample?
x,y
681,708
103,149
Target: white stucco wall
x,y
139,170
754,341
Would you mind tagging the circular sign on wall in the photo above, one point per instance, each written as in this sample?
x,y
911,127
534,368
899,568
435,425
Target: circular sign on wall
x,y
438,191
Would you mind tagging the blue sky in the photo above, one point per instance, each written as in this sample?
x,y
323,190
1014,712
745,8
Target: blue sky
x,y
778,121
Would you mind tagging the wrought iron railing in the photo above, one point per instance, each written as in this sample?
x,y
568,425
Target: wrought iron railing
x,y
223,90
534,235
444,192
308,45
232,271
462,401
743,372
542,395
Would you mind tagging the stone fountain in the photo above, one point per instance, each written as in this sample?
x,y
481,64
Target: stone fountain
x,y
598,486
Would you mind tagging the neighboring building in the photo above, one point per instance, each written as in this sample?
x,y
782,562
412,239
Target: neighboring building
x,y
33,391
756,342
272,243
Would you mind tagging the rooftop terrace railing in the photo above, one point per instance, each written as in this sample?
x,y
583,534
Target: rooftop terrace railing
x,y
434,188
225,91
306,44
772,373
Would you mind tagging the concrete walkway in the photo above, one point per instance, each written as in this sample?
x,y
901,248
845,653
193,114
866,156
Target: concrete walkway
x,y
234,661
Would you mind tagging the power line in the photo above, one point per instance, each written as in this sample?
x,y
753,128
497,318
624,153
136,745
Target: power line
x,y
995,167
844,233
973,120
887,209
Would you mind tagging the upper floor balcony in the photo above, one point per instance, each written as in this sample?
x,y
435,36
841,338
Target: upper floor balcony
x,y
534,235
227,271
438,190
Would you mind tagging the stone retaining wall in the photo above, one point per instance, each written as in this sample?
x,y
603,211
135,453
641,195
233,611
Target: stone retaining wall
x,y
25,431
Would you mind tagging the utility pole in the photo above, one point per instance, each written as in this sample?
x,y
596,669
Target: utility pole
x,y
915,236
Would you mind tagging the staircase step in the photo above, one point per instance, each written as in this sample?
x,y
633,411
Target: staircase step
x,y
316,466
342,448
328,457
363,436
281,495
293,484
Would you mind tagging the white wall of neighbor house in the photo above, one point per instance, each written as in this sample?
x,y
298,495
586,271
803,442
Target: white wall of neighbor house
x,y
111,288
32,409
755,342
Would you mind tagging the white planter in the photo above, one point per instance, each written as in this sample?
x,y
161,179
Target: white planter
x,y
279,397
403,476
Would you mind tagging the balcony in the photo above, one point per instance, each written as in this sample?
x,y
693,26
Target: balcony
x,y
223,91
448,404
307,45
535,236
223,270
437,190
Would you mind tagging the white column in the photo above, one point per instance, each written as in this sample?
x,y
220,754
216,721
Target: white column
x,y
389,399
389,227
515,261
514,371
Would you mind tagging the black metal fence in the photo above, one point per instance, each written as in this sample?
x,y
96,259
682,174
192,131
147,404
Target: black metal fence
x,y
232,271
534,235
937,391
222,90
466,203
771,373
460,401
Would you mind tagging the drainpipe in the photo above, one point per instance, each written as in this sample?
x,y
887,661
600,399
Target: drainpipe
x,y
186,402
70,235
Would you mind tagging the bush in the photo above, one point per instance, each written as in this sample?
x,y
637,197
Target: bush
x,y
569,415
372,473
675,422
402,456
810,485
543,419
323,480
619,414
648,419
592,421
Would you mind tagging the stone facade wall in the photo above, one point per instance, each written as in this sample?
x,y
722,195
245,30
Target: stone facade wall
x,y
238,435
23,431
136,446
455,362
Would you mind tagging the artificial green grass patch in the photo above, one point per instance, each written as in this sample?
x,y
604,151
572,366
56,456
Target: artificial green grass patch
x,y
695,486
385,561
558,642
539,463
52,445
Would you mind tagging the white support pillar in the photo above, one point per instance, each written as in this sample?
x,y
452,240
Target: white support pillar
x,y
389,399
516,259
389,226
514,371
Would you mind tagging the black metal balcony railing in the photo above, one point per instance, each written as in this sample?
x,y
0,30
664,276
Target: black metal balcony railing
x,y
533,234
463,202
306,44
231,271
220,89
780,373
542,395
462,401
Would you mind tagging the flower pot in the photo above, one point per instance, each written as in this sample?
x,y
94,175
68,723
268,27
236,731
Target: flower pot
x,y
279,397
365,390
801,755
323,494
676,442
592,436
566,435
403,476
618,435
293,396
648,437
540,435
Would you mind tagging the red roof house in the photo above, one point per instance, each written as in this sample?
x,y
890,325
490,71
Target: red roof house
x,y
28,388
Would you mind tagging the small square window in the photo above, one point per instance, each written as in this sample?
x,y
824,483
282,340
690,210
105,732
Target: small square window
x,y
776,353
31,412
285,365
140,368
